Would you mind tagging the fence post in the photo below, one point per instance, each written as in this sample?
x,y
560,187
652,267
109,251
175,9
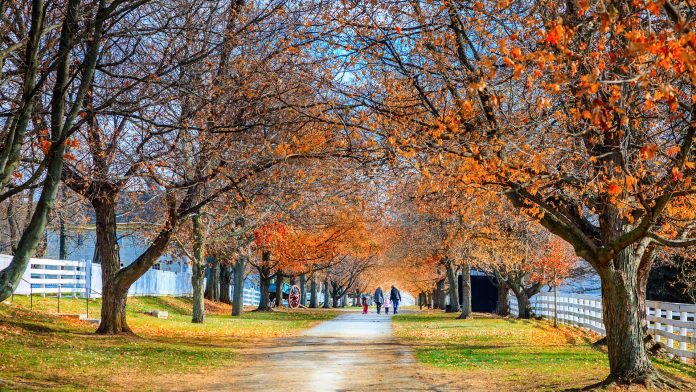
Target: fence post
x,y
657,325
58,297
683,317
670,328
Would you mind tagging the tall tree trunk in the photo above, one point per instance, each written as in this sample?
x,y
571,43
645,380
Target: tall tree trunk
x,y
327,295
441,294
113,311
279,289
198,270
265,290
62,241
225,281
314,295
62,119
197,279
303,288
466,291
212,290
217,287
502,307
34,232
623,300
524,307
335,297
453,288
238,296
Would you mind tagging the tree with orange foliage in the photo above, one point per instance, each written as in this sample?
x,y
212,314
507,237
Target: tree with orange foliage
x,y
554,267
580,113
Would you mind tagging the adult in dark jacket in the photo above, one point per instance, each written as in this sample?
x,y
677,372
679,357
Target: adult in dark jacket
x,y
395,297
379,299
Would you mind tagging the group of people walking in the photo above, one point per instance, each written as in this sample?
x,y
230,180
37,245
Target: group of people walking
x,y
391,300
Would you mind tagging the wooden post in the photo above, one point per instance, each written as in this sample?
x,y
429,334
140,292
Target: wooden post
x,y
670,328
683,317
555,306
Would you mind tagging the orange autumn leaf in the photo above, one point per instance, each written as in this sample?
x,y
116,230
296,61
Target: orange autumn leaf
x,y
648,151
673,151
677,174
614,189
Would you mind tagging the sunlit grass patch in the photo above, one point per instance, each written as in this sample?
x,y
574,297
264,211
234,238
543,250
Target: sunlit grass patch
x,y
517,354
42,351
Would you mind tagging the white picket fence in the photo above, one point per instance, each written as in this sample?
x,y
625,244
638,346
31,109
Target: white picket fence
x,y
673,324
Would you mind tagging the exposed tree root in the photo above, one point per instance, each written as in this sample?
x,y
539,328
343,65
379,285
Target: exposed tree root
x,y
601,342
651,380
124,332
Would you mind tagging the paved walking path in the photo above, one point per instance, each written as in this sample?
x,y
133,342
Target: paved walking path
x,y
353,352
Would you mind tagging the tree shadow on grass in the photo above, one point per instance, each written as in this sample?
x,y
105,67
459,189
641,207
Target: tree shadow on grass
x,y
34,327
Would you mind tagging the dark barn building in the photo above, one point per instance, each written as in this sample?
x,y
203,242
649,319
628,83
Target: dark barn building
x,y
484,294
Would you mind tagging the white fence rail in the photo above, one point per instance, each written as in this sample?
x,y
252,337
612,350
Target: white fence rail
x,y
83,278
672,324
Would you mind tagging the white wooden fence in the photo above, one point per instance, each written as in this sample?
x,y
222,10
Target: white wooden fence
x,y
672,324
47,276
83,278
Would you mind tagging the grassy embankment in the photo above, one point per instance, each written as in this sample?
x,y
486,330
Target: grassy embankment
x,y
511,354
42,351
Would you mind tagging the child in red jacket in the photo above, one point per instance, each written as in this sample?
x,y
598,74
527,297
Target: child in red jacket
x,y
364,304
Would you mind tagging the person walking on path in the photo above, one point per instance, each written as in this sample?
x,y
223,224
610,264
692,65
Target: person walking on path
x,y
364,304
387,304
395,297
379,299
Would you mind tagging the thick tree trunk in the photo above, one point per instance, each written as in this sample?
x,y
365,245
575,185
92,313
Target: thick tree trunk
x,y
453,288
441,294
113,311
225,283
238,296
314,295
303,288
197,279
265,289
211,284
502,307
466,292
198,270
327,294
623,301
279,289
524,307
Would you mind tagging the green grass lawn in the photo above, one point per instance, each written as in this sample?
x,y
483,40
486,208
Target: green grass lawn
x,y
41,351
511,354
